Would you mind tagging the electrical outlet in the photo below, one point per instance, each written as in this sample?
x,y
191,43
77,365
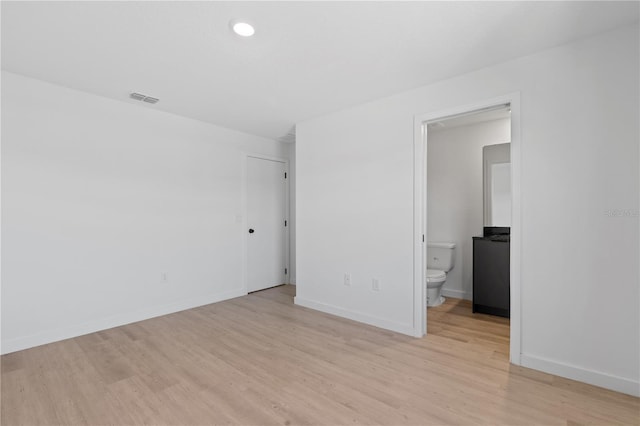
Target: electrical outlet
x,y
347,279
375,284
163,277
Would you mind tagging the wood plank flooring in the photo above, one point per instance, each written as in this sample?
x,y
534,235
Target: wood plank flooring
x,y
261,360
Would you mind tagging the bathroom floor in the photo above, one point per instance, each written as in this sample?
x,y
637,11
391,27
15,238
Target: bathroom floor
x,y
455,320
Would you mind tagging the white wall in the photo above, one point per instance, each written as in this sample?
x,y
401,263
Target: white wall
x,y
454,193
99,198
579,135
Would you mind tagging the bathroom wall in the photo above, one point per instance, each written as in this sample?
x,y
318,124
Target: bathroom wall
x,y
454,192
580,197
99,197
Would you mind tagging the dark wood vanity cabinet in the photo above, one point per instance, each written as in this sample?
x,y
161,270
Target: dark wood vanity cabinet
x,y
491,277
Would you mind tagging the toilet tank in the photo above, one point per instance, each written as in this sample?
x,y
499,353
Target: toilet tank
x,y
441,256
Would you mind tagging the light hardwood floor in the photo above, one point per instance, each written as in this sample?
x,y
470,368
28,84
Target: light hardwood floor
x,y
261,360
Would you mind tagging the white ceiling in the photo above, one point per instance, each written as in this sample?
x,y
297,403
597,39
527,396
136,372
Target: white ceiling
x,y
306,59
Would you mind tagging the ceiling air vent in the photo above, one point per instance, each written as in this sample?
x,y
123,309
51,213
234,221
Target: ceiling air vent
x,y
143,98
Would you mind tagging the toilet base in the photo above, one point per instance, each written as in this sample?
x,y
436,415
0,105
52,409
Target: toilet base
x,y
434,297
438,302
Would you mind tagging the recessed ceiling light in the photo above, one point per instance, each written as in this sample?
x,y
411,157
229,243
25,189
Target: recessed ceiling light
x,y
243,29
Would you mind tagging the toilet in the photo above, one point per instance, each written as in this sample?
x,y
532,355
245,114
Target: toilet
x,y
440,260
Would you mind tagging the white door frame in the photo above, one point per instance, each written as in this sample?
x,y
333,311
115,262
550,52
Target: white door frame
x,y
420,215
245,222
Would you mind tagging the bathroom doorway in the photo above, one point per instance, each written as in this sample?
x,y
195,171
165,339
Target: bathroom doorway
x,y
457,186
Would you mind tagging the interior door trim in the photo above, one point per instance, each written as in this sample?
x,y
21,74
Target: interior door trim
x,y
420,236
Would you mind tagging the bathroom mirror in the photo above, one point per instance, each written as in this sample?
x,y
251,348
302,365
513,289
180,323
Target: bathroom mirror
x,y
497,185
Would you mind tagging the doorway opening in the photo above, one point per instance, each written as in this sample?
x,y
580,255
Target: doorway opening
x,y
467,252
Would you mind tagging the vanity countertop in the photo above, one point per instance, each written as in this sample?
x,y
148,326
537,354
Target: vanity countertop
x,y
495,233
501,238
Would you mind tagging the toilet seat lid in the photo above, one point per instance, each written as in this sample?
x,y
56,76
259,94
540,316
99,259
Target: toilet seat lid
x,y
435,274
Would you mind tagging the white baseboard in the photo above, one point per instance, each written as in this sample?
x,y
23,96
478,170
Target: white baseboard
x,y
356,316
596,378
456,294
49,336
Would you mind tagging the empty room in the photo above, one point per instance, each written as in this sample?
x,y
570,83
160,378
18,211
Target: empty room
x,y
262,213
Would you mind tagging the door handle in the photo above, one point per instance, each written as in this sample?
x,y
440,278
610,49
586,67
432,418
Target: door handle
x,y
251,231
